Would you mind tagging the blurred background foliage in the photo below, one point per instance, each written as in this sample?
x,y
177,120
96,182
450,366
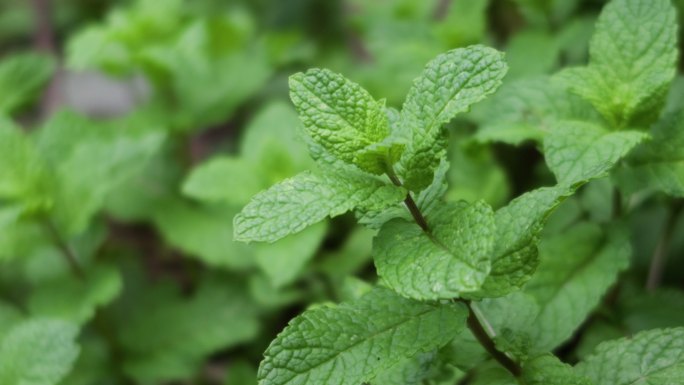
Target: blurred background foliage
x,y
133,131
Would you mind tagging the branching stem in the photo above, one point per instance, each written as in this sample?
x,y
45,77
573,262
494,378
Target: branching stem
x,y
473,322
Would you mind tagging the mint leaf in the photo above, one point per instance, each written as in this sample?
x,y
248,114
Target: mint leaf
x,y
633,62
307,198
449,85
38,352
526,109
214,181
282,262
549,370
577,268
353,342
23,175
658,164
654,357
21,78
338,114
451,260
577,151
515,256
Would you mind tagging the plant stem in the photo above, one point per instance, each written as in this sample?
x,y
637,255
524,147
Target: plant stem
x,y
66,250
410,204
473,322
486,341
617,203
655,272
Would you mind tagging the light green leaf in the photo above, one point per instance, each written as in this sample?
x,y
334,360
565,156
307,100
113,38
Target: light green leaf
x,y
450,260
282,262
202,232
577,151
526,109
353,342
531,52
23,175
654,357
549,370
38,352
515,256
223,179
577,268
633,58
338,114
307,198
73,299
449,85
658,164
21,78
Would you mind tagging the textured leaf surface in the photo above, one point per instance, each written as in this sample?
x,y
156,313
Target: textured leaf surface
x,y
353,342
577,267
658,164
38,352
654,357
307,198
450,260
577,151
548,370
633,61
337,113
526,109
515,255
449,85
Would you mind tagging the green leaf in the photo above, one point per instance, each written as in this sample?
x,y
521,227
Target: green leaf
x,y
166,336
23,175
202,232
531,52
654,357
353,342
526,110
307,198
449,85
633,58
282,262
577,267
577,151
549,370
214,181
450,260
515,257
21,78
73,299
338,114
658,164
38,352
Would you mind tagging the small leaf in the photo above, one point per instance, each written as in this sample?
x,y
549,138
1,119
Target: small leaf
x,y
353,342
654,357
307,198
450,260
21,78
449,85
338,114
214,181
633,62
578,152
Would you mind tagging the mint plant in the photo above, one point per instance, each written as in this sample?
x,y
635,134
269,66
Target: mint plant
x,y
452,272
